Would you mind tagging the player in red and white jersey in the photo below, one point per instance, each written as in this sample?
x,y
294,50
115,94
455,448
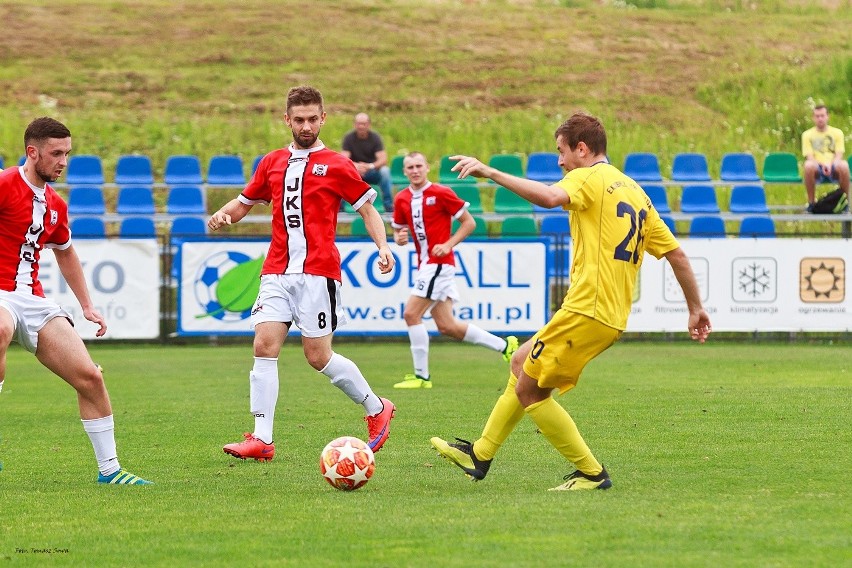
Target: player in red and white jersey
x,y
34,218
300,279
425,211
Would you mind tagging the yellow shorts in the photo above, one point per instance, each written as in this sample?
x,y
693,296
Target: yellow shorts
x,y
563,347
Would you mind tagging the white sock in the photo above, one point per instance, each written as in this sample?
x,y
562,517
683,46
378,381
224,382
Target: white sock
x,y
419,338
346,376
101,432
1,385
479,336
263,388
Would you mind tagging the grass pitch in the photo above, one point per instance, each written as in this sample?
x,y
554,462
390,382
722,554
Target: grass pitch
x,y
721,455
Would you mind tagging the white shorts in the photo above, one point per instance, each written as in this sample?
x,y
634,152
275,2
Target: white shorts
x,y
30,314
311,302
436,282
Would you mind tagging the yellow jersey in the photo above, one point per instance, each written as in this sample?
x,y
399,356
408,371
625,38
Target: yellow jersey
x,y
823,145
612,225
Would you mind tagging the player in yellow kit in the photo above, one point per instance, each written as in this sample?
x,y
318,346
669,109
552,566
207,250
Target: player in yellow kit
x,y
612,225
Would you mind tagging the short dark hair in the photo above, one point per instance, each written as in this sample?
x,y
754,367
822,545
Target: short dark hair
x,y
821,106
303,96
582,127
43,128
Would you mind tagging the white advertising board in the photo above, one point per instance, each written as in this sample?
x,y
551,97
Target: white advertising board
x,y
502,286
751,285
123,277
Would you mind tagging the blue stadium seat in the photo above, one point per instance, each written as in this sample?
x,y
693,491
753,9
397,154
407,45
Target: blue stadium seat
x,y
134,169
757,227
557,229
86,200
183,170
539,210
185,200
88,228
22,160
690,167
555,225
748,199
225,170
1,162
642,166
657,194
707,227
699,199
188,226
739,167
137,228
544,167
135,200
669,223
84,170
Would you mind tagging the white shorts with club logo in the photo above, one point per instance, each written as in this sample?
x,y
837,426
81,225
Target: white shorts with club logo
x,y
311,302
30,314
436,282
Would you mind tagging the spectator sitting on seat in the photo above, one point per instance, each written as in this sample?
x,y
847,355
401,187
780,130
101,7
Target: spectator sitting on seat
x,y
823,149
365,147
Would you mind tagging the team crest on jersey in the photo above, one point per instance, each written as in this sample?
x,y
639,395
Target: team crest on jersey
x,y
54,217
431,200
320,169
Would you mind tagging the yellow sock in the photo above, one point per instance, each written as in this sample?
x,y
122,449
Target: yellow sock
x,y
558,427
504,417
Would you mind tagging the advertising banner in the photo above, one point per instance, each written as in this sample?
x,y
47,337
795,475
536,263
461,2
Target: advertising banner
x,y
503,286
123,277
751,285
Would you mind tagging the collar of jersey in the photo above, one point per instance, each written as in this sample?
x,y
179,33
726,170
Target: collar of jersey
x,y
37,190
422,189
301,153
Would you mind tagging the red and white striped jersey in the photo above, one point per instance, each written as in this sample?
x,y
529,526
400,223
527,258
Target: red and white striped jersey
x,y
34,218
305,188
428,213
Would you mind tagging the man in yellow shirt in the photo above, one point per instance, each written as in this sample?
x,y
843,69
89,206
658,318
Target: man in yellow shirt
x,y
823,149
612,225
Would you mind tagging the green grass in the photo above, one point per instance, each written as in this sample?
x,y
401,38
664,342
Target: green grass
x,y
727,454
209,77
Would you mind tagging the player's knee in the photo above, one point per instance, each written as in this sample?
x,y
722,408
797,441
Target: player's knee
x,y
317,358
7,332
410,318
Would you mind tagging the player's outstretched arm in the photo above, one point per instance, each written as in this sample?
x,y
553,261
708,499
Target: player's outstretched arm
x,y
533,191
72,271
699,322
232,212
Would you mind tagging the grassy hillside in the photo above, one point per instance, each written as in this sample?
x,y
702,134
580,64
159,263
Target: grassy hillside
x,y
162,77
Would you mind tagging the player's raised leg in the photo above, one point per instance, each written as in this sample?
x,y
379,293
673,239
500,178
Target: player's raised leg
x,y
62,351
345,375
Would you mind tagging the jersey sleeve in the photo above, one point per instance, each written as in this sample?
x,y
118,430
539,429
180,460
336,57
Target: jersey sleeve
x,y
839,145
579,192
807,149
258,190
454,205
352,188
659,239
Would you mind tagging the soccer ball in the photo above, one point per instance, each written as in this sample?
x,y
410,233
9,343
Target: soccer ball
x,y
347,463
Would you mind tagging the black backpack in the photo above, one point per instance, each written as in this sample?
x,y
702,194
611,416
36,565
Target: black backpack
x,y
832,202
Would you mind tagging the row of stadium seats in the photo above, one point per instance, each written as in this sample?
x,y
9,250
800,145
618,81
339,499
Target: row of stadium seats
x,y
556,225
137,169
228,170
136,227
689,167
136,200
